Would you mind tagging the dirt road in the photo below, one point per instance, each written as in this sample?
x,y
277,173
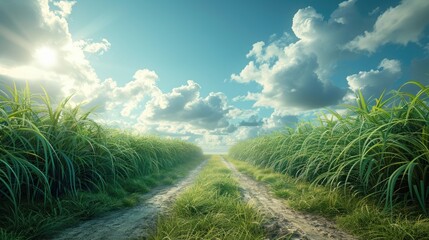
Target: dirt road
x,y
281,221
135,222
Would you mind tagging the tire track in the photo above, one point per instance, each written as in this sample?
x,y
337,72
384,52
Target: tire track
x,y
135,222
281,221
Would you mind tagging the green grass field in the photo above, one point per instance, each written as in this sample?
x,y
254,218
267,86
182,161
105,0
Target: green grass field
x,y
367,170
57,165
379,149
378,153
359,216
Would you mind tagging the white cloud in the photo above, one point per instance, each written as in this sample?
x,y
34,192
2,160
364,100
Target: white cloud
x,y
236,113
41,27
249,128
401,24
373,82
129,97
94,47
278,121
249,73
248,97
306,23
289,83
138,105
252,121
295,76
184,104
65,7
256,50
214,144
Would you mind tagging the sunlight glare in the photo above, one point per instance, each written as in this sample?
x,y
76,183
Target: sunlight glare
x,y
46,56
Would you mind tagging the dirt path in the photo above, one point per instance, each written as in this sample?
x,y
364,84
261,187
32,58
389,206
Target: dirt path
x,y
137,222
281,220
131,223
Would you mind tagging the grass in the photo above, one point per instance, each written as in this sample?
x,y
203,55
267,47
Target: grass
x,y
38,221
379,150
34,221
53,152
361,217
211,208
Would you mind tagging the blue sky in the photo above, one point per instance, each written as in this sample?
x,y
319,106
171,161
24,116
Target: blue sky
x,y
213,72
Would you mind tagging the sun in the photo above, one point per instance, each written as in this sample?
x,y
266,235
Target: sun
x,y
46,56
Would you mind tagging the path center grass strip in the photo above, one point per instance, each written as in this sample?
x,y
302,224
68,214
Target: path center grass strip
x,y
212,208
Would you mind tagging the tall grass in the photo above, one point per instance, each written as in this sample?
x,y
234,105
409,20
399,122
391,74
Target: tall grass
x,y
380,149
48,150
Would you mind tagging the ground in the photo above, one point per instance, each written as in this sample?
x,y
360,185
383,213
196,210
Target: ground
x,y
281,222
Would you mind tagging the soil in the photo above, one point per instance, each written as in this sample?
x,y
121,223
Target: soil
x,y
131,223
281,221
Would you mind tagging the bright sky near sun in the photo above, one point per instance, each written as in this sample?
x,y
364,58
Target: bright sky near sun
x,y
213,72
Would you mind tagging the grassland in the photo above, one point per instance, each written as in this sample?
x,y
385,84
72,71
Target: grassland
x,y
379,152
57,165
361,217
212,208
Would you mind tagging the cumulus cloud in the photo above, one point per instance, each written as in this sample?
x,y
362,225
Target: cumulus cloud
x,y
64,7
291,83
218,143
295,76
41,25
278,120
373,82
139,104
248,128
401,24
128,97
94,47
19,35
253,121
307,23
214,144
184,104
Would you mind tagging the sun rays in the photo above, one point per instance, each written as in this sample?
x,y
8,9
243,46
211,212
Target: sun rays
x,y
46,56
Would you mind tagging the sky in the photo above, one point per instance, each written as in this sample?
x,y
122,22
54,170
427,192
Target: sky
x,y
212,72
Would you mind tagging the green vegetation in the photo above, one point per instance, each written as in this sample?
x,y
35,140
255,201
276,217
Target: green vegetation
x,y
379,151
361,217
36,220
57,165
369,169
212,208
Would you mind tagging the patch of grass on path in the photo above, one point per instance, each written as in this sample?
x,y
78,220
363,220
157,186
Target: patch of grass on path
x,y
356,215
211,208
